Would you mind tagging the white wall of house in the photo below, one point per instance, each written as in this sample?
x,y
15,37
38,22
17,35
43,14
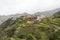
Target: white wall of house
x,y
40,17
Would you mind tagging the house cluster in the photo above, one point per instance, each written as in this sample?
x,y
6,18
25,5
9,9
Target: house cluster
x,y
38,18
30,16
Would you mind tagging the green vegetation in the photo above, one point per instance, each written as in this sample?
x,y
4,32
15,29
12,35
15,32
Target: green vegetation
x,y
46,29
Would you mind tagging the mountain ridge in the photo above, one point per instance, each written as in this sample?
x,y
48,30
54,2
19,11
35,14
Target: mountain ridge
x,y
45,13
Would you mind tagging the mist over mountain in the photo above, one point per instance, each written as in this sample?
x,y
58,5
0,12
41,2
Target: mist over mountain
x,y
3,18
45,13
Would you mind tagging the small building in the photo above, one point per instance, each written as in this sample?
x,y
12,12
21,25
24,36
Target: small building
x,y
40,17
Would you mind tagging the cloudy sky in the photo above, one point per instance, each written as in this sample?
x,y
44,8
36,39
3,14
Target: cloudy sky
x,y
8,7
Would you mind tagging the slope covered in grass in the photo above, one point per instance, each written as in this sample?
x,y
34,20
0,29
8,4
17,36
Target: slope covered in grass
x,y
25,28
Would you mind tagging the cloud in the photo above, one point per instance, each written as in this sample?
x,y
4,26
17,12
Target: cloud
x,y
8,7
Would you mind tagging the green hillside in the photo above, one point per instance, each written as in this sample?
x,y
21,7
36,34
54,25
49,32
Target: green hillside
x,y
28,28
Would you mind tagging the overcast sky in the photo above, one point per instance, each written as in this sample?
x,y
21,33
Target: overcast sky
x,y
8,7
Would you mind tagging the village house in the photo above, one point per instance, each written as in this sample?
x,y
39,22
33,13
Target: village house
x,y
40,17
29,16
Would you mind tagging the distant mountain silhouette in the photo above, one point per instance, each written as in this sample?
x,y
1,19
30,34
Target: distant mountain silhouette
x,y
45,13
